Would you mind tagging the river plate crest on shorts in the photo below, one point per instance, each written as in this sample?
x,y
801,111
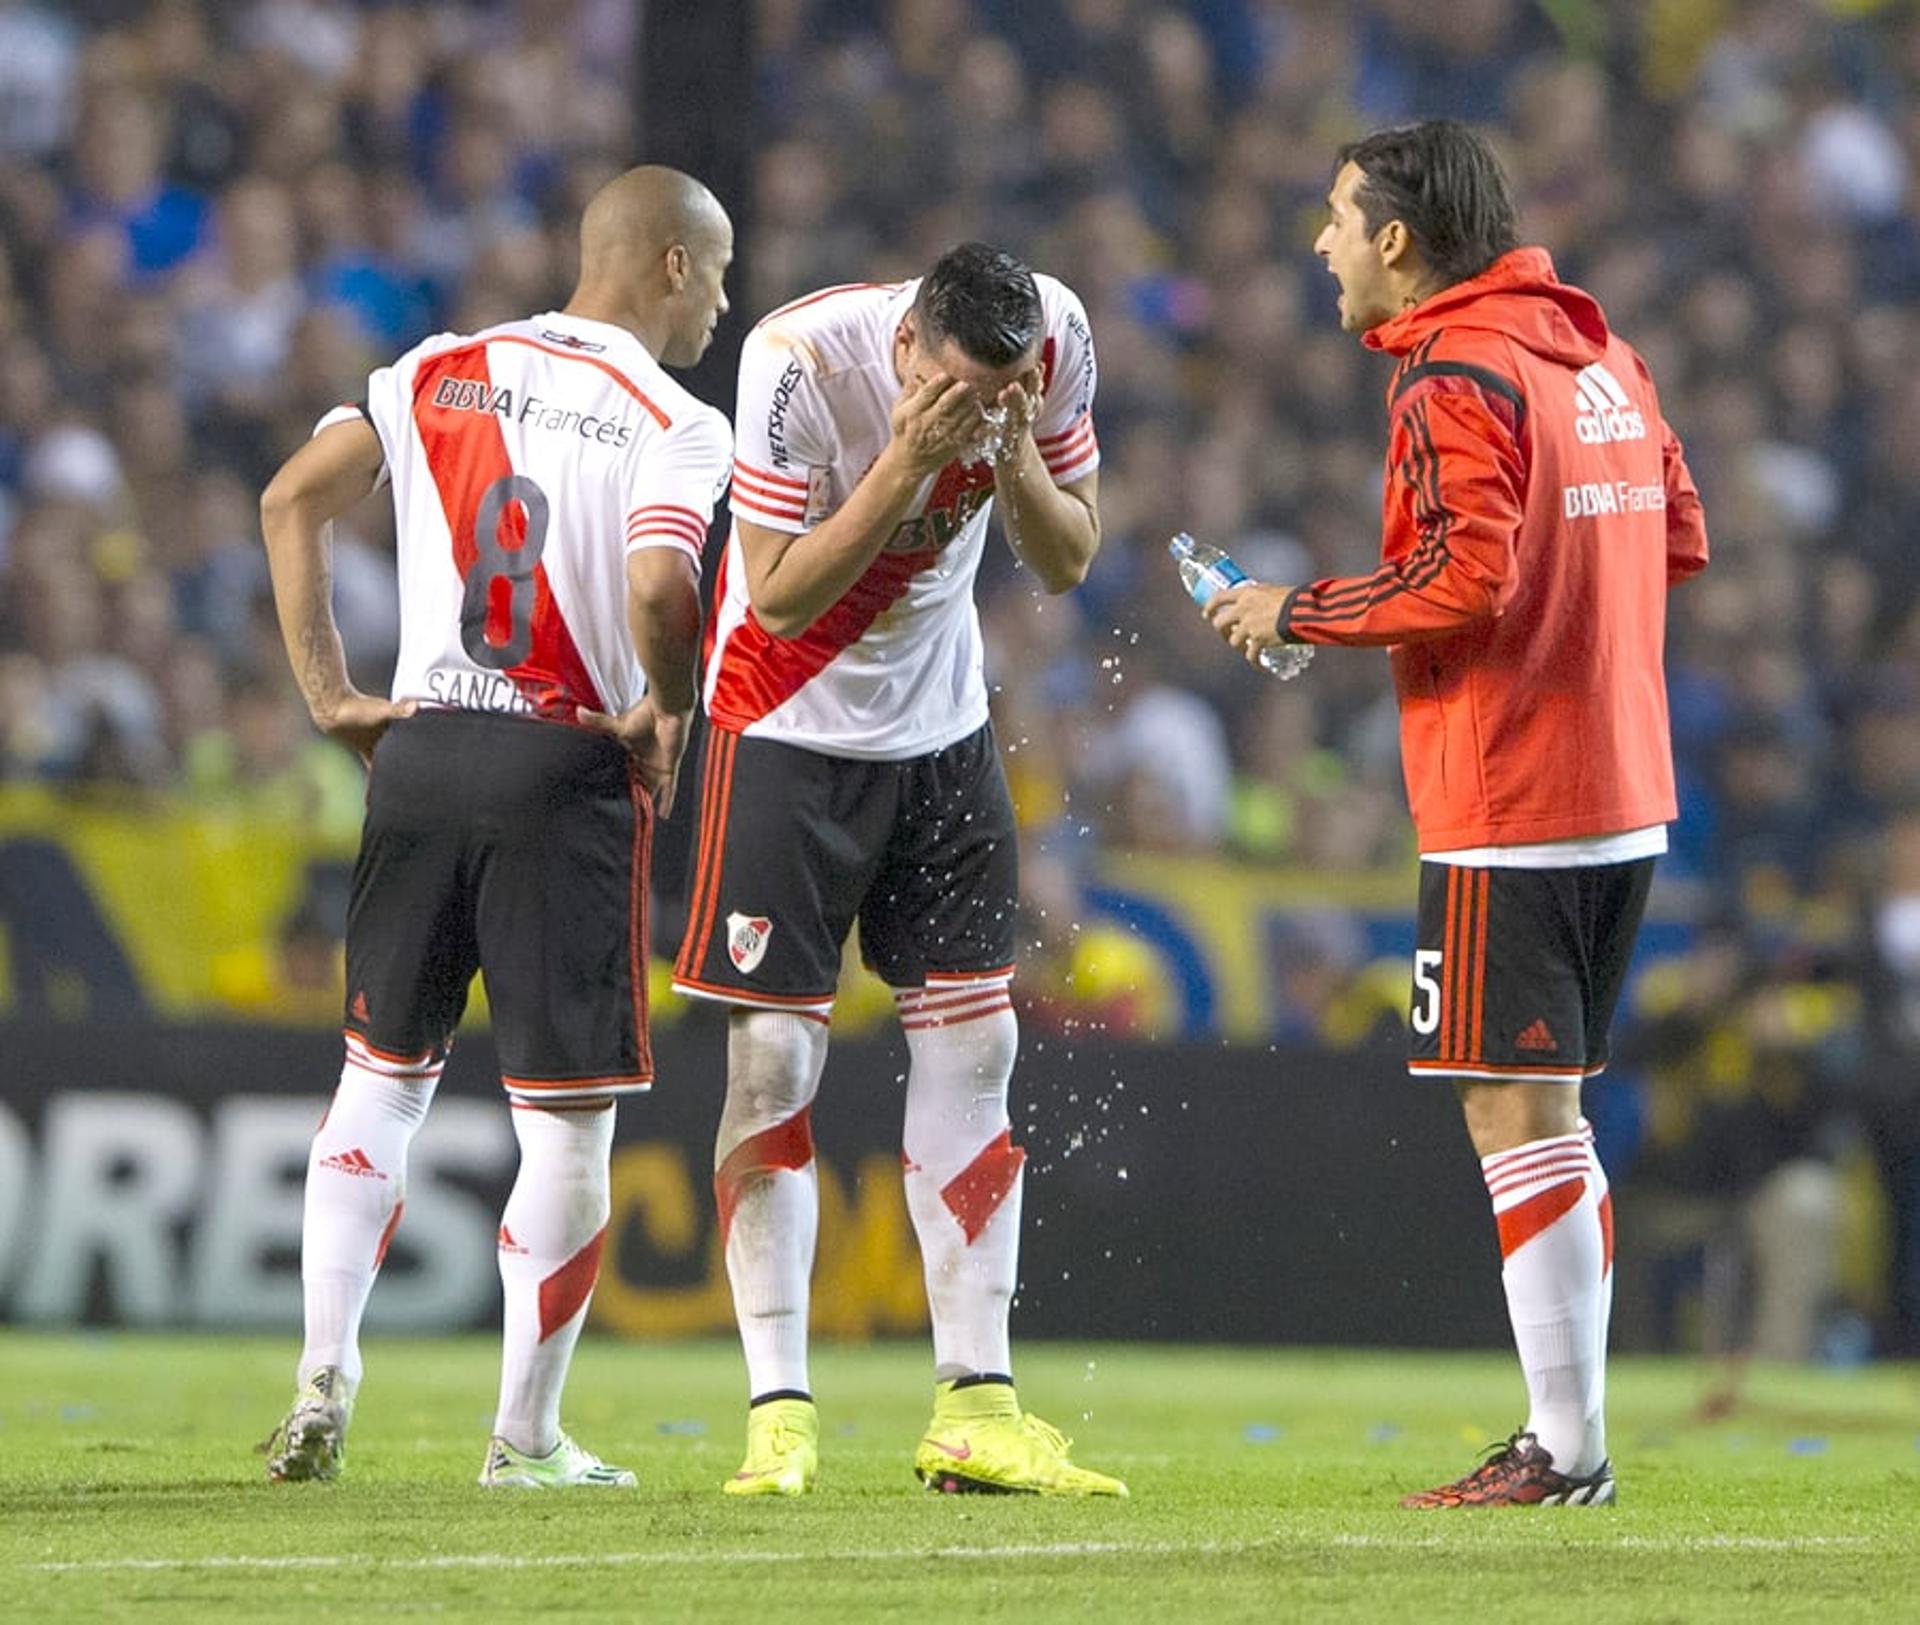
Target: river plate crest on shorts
x,y
747,936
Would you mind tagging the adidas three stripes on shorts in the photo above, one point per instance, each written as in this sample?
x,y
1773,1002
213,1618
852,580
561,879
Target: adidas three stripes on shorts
x,y
1516,972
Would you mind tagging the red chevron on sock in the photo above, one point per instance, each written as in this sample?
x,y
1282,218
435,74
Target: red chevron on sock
x,y
564,1293
1523,1221
974,1194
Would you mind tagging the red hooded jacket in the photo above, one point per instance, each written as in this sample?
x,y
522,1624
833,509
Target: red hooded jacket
x,y
1537,510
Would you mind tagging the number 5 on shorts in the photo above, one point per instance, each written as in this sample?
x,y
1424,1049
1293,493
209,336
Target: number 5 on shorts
x,y
1426,988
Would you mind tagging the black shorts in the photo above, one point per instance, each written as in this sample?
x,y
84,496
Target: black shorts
x,y
795,845
1516,972
517,848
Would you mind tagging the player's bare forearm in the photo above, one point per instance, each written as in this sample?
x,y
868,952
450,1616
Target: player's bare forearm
x,y
299,558
323,479
663,614
317,484
1055,529
794,580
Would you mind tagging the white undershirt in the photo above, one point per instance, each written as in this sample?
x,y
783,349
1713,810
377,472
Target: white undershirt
x,y
1582,852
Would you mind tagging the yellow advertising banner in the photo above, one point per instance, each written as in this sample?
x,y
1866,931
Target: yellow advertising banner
x,y
148,904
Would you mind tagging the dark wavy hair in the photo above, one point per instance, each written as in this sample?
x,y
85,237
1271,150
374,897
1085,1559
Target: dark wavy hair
x,y
982,299
1443,183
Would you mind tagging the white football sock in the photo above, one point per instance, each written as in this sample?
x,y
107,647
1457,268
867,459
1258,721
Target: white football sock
x,y
1603,1197
963,1171
767,1189
550,1238
1549,1214
356,1188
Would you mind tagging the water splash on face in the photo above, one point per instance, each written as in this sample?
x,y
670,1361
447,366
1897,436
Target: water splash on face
x,y
992,444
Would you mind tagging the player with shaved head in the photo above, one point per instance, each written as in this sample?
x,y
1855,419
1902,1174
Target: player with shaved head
x,y
552,488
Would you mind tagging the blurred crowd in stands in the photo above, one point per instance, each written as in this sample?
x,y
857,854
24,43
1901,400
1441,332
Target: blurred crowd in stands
x,y
214,220
216,217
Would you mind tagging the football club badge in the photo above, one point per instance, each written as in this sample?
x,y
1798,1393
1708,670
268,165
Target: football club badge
x,y
819,494
747,936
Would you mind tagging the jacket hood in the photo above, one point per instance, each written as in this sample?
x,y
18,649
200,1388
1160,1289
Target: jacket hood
x,y
1518,297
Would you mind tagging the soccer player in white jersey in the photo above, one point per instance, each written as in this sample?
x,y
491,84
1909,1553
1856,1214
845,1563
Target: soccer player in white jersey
x,y
851,773
552,487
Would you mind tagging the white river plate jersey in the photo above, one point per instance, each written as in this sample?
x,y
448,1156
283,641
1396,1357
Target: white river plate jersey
x,y
527,461
892,670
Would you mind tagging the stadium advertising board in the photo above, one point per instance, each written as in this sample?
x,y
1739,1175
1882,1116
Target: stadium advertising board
x,y
151,1176
191,914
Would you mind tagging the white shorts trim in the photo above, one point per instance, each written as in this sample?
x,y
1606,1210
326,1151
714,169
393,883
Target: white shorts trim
x,y
817,1009
1582,852
1453,1069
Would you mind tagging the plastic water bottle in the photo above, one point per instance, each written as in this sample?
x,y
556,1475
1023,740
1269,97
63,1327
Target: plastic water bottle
x,y
1206,570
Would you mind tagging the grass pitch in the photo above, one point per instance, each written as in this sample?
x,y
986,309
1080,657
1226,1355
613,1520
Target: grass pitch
x,y
1264,1487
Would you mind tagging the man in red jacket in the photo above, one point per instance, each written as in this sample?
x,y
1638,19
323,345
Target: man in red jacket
x,y
1537,510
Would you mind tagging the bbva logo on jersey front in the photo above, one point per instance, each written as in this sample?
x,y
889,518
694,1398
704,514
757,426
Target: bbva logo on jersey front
x,y
960,490
1605,411
1592,498
747,937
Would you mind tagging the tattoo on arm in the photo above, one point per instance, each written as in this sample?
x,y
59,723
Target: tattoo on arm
x,y
320,657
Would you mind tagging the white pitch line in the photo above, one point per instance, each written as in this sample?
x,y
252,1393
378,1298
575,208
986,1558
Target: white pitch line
x,y
502,1560
1638,1543
915,1554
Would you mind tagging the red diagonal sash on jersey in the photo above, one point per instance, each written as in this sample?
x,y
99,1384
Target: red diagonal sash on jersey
x,y
467,453
759,672
953,492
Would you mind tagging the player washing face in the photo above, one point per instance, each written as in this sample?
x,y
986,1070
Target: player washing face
x,y
851,774
1004,401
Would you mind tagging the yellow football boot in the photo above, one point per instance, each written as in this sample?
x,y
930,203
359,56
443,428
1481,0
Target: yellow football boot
x,y
783,1450
981,1442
